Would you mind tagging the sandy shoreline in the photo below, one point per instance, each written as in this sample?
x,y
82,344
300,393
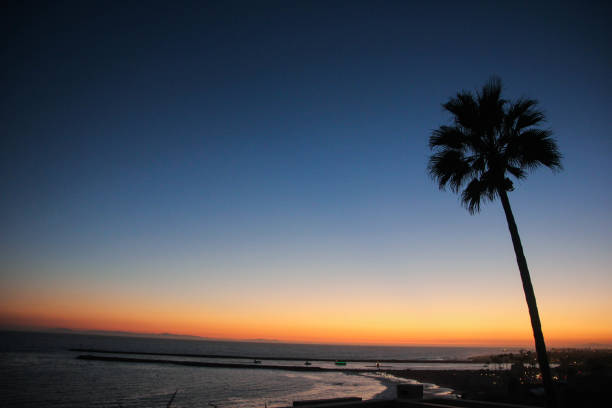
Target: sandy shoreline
x,y
390,392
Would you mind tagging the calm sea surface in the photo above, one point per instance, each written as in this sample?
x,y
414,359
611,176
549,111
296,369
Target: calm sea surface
x,y
38,370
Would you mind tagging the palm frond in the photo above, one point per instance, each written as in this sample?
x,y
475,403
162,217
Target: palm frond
x,y
464,109
531,117
491,91
472,195
449,167
490,106
534,148
448,136
523,114
517,172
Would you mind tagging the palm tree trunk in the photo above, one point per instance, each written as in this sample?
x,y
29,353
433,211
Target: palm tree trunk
x,y
531,303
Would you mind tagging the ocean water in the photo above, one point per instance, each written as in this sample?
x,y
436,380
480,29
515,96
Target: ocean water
x,y
39,370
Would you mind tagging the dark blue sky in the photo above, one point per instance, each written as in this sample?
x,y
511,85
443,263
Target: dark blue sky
x,y
296,130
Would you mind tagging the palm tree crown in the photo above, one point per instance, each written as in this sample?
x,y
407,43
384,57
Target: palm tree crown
x,y
490,138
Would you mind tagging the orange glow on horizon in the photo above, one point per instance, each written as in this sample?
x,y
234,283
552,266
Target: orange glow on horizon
x,y
352,316
304,332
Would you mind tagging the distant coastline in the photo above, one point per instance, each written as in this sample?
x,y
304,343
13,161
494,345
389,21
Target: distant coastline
x,y
120,333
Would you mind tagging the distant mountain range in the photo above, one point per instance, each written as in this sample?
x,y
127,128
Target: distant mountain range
x,y
132,334
128,334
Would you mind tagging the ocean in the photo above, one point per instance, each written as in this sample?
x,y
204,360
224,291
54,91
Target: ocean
x,y
40,370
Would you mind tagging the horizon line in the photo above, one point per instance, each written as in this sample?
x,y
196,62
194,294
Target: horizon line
x,y
191,337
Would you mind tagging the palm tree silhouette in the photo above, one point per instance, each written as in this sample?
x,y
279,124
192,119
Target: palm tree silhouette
x,y
490,139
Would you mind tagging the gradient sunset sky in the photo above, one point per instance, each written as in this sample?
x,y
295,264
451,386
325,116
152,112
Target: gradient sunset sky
x,y
258,170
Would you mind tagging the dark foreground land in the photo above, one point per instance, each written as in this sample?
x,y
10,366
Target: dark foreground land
x,y
583,378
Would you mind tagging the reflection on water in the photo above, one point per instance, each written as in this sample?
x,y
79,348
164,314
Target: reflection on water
x,y
59,380
38,370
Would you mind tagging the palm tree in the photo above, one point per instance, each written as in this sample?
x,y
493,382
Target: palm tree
x,y
489,140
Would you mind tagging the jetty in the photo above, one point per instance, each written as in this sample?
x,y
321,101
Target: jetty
x,y
276,358
219,365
